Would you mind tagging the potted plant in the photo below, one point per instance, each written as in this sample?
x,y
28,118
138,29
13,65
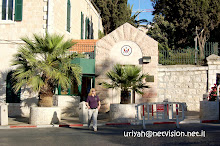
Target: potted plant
x,y
209,110
128,79
44,63
213,94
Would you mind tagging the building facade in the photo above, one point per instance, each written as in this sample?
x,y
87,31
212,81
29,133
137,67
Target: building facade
x,y
75,19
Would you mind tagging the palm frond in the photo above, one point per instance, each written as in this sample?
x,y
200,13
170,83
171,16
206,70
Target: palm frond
x,y
125,77
43,62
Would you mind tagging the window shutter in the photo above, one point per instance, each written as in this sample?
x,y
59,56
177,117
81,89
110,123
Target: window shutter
x,y
68,15
86,29
82,25
89,30
18,10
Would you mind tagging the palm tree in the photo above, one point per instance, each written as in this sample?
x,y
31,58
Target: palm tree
x,y
126,78
42,64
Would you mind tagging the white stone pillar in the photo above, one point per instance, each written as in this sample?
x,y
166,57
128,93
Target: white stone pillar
x,y
4,114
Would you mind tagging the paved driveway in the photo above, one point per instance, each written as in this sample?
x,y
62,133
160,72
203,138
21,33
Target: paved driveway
x,y
108,135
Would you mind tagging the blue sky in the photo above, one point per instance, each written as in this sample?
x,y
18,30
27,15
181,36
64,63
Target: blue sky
x,y
144,4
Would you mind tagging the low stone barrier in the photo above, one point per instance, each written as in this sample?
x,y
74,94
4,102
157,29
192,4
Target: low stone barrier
x,y
122,112
209,110
69,105
45,115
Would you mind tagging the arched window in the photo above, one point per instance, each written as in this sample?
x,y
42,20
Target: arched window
x,y
11,96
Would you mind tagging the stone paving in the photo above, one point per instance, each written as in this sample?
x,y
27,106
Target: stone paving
x,y
103,119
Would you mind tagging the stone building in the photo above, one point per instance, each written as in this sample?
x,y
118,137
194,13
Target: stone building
x,y
80,20
75,19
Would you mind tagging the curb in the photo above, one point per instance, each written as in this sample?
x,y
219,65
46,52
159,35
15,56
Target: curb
x,y
72,125
103,124
157,123
114,124
210,121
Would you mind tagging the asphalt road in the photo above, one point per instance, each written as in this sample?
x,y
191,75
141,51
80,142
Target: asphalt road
x,y
108,135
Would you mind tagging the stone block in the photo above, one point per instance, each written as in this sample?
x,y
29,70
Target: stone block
x,y
160,79
161,96
69,105
160,74
127,31
170,86
162,85
192,91
197,72
3,114
212,67
174,79
209,110
109,39
167,79
122,112
168,97
167,73
45,115
120,33
103,44
83,112
133,32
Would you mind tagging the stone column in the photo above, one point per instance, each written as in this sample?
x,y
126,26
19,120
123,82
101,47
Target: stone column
x,y
213,69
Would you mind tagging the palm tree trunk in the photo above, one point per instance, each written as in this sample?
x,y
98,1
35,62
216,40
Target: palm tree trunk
x,y
125,97
46,101
46,97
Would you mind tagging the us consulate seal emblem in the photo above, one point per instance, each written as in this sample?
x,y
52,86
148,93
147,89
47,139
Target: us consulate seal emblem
x,y
126,50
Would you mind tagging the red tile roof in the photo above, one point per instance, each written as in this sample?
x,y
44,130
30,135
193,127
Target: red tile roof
x,y
84,46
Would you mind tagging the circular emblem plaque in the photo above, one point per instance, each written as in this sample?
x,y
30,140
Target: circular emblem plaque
x,y
126,50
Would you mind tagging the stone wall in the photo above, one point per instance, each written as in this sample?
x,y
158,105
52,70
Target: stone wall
x,y
182,83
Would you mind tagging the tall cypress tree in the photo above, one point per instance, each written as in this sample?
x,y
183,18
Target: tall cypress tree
x,y
114,13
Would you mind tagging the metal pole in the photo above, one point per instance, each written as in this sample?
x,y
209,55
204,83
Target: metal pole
x,y
218,99
144,127
139,9
218,93
195,39
177,117
91,83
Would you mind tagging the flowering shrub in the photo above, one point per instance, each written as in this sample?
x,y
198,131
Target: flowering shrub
x,y
213,93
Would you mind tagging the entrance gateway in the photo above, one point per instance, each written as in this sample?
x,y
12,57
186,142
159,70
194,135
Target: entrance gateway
x,y
126,45
86,47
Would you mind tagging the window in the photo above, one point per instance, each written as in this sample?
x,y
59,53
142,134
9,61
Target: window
x,y
6,9
11,10
68,15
